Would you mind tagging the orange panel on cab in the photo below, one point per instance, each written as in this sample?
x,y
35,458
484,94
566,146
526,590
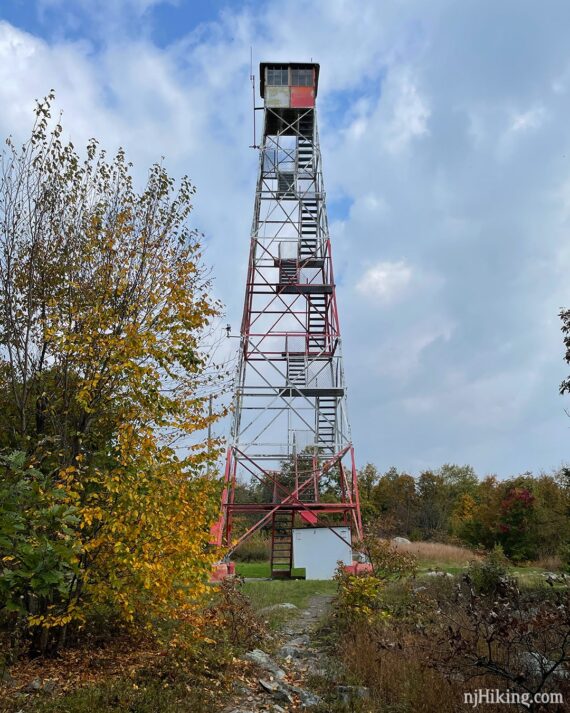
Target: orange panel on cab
x,y
302,97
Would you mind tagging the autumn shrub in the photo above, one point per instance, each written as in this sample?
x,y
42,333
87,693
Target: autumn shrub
x,y
390,665
103,389
233,616
396,664
389,651
360,596
387,560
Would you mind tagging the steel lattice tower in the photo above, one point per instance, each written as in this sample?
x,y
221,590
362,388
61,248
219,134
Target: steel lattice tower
x,y
290,428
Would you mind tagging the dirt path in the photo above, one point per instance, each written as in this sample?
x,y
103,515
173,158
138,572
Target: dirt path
x,y
280,682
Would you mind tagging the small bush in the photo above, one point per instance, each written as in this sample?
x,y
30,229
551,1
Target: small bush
x,y
388,563
490,573
234,615
358,598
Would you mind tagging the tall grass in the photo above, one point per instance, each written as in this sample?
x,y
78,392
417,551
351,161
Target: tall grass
x,y
256,548
436,553
399,676
552,563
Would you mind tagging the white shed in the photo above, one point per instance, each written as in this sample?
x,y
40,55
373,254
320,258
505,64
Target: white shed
x,y
318,550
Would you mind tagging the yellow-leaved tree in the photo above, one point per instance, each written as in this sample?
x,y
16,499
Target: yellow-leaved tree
x,y
103,385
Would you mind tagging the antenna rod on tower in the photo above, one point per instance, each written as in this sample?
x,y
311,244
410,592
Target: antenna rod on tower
x,y
252,80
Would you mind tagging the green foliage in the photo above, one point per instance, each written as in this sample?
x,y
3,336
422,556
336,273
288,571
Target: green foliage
x,y
489,574
359,598
565,317
367,481
564,553
395,499
39,543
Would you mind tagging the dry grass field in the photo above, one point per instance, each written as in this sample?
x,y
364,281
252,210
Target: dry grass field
x,y
438,553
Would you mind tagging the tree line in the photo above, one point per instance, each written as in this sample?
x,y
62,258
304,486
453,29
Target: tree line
x,y
528,515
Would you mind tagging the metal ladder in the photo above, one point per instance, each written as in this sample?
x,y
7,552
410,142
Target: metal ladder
x,y
309,494
282,544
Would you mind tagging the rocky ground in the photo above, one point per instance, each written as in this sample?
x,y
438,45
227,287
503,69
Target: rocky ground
x,y
282,680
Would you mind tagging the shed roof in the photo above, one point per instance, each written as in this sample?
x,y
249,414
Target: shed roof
x,y
294,65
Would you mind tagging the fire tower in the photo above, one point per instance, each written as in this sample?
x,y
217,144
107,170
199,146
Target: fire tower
x,y
290,430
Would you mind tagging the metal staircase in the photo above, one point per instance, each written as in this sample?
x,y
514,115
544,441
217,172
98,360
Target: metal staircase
x,y
288,272
326,423
317,323
305,154
308,230
297,371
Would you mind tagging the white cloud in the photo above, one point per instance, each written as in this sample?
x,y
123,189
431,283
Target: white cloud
x,y
398,115
410,113
527,120
400,356
385,281
521,125
561,81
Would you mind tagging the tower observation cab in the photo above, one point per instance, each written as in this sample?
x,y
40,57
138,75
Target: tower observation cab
x,y
290,431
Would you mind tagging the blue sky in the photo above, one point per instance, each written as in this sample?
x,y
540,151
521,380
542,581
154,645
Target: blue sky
x,y
446,146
